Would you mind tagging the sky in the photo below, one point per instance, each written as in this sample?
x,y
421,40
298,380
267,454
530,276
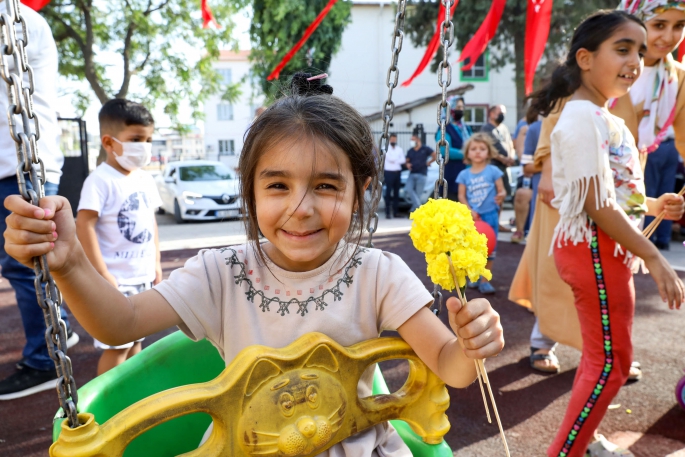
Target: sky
x,y
66,87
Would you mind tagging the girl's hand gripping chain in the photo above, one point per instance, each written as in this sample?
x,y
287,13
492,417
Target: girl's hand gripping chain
x,y
445,232
46,230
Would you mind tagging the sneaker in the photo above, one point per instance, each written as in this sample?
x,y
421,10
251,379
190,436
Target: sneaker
x,y
471,285
604,448
72,340
27,381
485,288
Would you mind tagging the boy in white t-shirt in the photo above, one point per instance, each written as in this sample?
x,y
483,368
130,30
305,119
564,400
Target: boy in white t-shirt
x,y
116,214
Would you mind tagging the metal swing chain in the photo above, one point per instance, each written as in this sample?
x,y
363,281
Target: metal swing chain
x,y
20,114
391,81
446,38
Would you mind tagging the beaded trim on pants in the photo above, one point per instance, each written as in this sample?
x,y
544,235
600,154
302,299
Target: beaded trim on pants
x,y
608,354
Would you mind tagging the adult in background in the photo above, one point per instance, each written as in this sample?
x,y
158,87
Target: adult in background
x,y
499,132
36,370
456,133
394,159
419,158
523,199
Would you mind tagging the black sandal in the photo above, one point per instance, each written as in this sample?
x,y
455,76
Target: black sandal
x,y
550,356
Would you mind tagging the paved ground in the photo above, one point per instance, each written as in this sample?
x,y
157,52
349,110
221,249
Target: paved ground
x,y
530,404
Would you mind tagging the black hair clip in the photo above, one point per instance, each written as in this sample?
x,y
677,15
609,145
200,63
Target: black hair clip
x,y
306,84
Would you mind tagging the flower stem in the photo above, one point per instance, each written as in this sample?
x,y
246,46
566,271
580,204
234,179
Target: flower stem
x,y
480,366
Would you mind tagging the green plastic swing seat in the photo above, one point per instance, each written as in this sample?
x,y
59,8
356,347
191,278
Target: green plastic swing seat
x,y
176,361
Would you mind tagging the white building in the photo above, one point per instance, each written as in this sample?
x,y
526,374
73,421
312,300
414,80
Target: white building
x,y
169,145
358,73
226,123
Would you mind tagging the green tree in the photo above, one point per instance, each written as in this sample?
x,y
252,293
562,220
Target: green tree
x,y
163,53
278,24
469,14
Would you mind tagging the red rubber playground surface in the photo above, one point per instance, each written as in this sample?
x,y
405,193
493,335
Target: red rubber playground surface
x,y
530,404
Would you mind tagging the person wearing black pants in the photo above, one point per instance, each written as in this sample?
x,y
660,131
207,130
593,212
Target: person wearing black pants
x,y
660,174
391,177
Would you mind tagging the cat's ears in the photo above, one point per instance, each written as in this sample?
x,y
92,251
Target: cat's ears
x,y
265,369
322,357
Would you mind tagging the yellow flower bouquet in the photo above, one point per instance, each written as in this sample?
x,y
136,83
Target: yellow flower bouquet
x,y
445,232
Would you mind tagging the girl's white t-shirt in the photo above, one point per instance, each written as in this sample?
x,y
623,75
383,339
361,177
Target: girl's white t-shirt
x,y
125,228
234,300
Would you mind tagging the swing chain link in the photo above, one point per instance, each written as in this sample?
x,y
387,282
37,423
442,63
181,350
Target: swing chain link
x,y
26,134
388,112
446,38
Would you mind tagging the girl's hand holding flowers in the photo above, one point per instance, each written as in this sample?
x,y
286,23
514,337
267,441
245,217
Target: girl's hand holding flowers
x,y
478,327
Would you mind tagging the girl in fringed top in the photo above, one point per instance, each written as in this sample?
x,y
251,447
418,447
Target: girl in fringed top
x,y
600,197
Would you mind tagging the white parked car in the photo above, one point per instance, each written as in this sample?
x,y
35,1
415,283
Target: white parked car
x,y
199,190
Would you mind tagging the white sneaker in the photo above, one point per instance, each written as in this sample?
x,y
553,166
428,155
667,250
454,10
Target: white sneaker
x,y
605,448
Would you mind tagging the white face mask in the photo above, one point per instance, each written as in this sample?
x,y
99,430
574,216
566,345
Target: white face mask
x,y
412,143
134,154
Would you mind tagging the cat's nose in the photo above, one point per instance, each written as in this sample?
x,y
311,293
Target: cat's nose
x,y
306,426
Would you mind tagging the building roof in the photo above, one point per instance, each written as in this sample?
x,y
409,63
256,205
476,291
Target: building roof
x,y
422,101
233,56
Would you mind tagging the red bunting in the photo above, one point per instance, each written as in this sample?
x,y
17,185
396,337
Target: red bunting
x,y
207,16
538,18
476,46
307,33
35,4
433,44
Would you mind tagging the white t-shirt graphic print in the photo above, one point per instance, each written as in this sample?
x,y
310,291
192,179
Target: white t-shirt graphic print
x,y
125,228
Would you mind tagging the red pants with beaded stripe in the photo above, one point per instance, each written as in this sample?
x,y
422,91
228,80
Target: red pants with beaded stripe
x,y
605,299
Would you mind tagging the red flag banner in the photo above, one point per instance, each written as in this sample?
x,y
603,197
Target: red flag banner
x,y
307,33
207,16
35,4
476,46
433,44
538,17
681,51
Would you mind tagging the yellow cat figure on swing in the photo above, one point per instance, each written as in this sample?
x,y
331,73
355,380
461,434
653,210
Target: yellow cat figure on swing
x,y
305,166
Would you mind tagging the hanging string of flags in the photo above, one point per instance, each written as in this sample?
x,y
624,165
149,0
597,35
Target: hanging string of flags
x,y
538,19
433,45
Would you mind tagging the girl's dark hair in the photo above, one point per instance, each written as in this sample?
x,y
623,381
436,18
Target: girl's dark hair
x,y
308,112
590,35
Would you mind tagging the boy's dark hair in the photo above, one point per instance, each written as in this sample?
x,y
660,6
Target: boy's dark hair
x,y
590,35
118,113
309,112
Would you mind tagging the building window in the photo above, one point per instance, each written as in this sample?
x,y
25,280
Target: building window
x,y
226,148
226,76
479,72
475,116
224,111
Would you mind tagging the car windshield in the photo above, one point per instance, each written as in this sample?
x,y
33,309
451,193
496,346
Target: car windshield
x,y
204,173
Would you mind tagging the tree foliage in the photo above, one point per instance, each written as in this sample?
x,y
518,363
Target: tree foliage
x,y
469,14
160,47
278,24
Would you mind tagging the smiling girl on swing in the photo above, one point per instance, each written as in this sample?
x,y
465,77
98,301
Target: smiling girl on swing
x,y
306,163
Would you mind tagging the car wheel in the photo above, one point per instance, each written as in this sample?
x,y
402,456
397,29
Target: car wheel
x,y
177,213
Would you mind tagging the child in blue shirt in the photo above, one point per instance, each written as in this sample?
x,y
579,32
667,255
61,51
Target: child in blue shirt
x,y
481,189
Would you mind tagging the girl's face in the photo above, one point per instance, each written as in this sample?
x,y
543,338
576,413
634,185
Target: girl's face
x,y
305,197
611,70
478,152
664,34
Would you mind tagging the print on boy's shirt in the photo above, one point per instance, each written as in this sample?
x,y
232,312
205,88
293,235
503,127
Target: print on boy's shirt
x,y
134,254
135,202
